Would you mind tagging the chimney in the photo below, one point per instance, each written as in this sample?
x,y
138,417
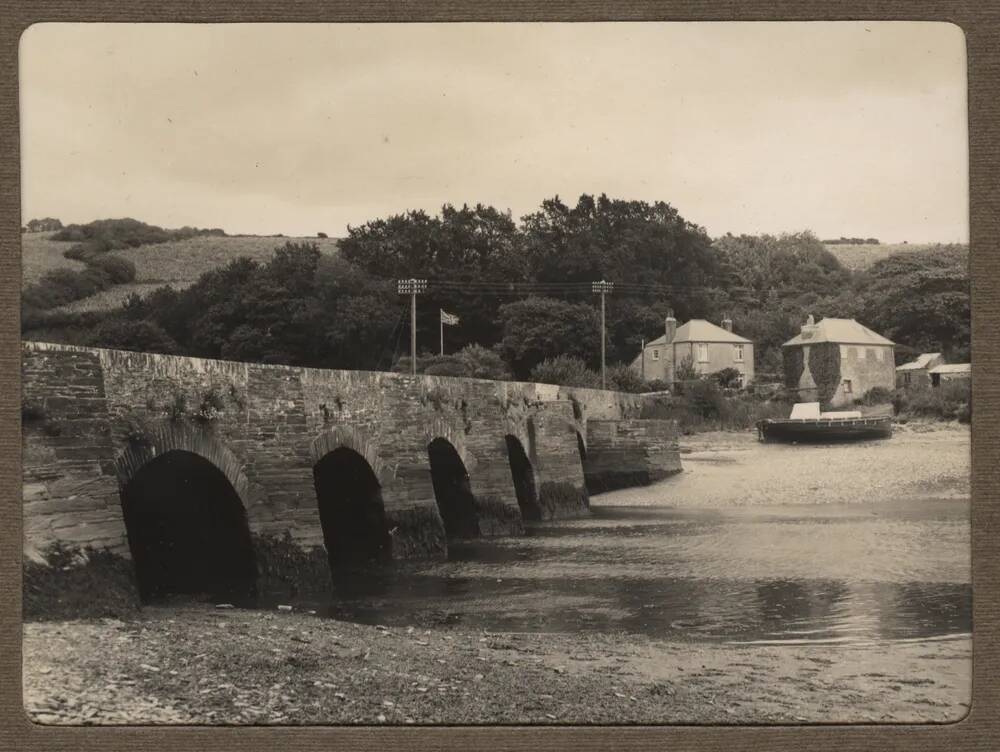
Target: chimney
x,y
727,324
809,328
671,326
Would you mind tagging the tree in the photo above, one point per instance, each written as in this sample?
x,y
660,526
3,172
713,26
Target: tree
x,y
921,300
538,328
468,247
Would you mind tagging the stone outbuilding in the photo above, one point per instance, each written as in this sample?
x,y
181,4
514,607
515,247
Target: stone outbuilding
x,y
709,347
837,361
916,373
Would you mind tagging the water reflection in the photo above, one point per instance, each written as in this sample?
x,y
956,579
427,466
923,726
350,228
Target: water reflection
x,y
783,574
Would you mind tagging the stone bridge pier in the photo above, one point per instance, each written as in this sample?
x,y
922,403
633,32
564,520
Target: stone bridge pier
x,y
212,474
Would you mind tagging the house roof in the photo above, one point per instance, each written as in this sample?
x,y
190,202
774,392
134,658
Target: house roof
x,y
841,331
952,368
699,330
921,362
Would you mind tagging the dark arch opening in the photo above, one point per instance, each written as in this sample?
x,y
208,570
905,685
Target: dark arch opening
x,y
452,490
351,510
187,530
581,447
523,475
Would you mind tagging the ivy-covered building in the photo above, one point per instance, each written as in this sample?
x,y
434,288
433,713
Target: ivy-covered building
x,y
837,361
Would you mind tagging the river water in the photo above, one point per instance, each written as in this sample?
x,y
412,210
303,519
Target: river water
x,y
751,543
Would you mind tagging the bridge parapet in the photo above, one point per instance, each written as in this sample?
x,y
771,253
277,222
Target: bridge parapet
x,y
630,452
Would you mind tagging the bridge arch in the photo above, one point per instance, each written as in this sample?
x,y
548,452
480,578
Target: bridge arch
x,y
452,489
348,475
183,497
522,474
160,439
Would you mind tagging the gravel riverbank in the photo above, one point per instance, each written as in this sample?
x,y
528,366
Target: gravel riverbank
x,y
201,665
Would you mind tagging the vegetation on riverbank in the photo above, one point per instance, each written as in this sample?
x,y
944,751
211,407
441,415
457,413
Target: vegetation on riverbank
x,y
63,583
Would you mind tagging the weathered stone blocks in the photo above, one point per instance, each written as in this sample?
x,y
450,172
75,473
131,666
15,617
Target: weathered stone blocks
x,y
633,452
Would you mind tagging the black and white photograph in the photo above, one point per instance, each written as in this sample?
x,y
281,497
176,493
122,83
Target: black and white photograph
x,y
591,373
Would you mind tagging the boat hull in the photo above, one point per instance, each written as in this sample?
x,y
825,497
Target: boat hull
x,y
822,430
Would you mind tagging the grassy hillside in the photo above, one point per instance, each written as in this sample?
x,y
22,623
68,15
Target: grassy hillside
x,y
859,257
177,263
41,254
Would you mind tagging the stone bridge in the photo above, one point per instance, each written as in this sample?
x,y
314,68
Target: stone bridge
x,y
201,468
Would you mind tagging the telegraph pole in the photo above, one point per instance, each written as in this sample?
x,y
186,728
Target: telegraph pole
x,y
412,287
603,288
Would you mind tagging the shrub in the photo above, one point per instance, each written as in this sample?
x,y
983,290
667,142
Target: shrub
x,y
950,401
118,269
446,368
656,385
625,379
705,398
565,370
483,363
878,395
727,378
685,370
127,334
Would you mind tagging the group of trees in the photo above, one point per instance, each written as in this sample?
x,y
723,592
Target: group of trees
x,y
522,292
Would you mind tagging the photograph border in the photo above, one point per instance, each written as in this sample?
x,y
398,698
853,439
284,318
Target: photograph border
x,y
980,23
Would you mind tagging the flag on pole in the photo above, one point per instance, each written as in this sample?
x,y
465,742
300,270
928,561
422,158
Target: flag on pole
x,y
448,319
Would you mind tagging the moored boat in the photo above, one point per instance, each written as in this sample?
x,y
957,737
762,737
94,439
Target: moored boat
x,y
808,425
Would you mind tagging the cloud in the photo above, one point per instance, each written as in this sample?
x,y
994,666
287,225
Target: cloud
x,y
848,128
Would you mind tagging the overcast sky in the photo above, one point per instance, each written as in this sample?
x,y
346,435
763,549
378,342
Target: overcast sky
x,y
854,129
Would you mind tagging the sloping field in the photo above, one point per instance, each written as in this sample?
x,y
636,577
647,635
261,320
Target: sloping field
x,y
41,254
860,257
181,262
177,263
113,297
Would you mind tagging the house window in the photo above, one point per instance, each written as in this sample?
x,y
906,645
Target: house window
x,y
847,387
738,353
880,354
906,378
702,353
656,354
862,353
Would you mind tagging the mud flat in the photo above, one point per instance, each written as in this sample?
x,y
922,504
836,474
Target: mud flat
x,y
201,665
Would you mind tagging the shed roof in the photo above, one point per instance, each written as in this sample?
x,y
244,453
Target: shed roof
x,y
921,362
952,368
842,331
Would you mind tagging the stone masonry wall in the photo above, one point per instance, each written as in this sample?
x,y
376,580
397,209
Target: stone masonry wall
x,y
93,418
70,490
624,453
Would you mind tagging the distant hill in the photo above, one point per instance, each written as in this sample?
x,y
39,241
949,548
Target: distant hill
x,y
178,263
858,257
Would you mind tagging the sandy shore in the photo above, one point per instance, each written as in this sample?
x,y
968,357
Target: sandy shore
x,y
197,664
